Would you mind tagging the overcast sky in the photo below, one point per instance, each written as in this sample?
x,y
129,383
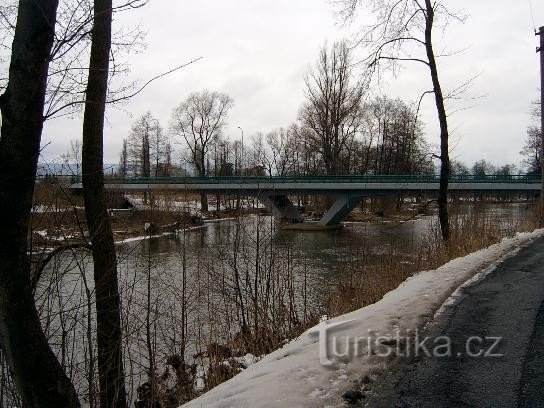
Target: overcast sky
x,y
258,51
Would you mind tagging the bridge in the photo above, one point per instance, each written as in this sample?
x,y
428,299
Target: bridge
x,y
346,191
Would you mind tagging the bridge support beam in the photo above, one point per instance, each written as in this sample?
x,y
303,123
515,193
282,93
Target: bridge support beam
x,y
281,207
339,210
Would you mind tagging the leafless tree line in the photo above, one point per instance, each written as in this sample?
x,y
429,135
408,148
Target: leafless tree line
x,y
339,131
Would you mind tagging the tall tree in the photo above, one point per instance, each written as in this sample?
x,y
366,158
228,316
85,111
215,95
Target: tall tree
x,y
72,158
139,140
199,121
332,111
459,168
483,168
108,316
532,150
159,149
278,158
123,159
166,168
392,140
148,147
507,170
533,144
40,378
399,26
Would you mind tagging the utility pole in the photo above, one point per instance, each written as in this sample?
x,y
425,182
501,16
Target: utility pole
x,y
541,51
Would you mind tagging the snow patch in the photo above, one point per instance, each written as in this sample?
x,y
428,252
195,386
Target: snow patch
x,y
247,360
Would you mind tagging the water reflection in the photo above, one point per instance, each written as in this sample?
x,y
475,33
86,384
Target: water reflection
x,y
322,251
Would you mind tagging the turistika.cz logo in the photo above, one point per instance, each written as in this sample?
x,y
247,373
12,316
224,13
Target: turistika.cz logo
x,y
333,348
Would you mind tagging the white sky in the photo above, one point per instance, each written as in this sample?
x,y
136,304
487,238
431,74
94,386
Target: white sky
x,y
257,51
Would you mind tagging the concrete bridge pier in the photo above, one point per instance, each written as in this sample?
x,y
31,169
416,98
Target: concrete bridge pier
x,y
281,207
339,210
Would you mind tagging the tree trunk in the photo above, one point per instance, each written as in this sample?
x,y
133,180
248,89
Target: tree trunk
x,y
204,202
40,379
108,320
443,119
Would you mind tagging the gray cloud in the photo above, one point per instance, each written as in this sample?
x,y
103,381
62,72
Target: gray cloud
x,y
258,52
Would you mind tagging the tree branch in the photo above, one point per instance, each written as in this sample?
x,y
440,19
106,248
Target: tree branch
x,y
42,264
80,102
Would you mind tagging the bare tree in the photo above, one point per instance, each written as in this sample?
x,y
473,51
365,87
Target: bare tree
x,y
333,109
72,158
532,150
166,169
533,145
108,306
399,26
40,378
149,147
392,141
67,75
483,168
459,168
309,160
141,140
507,170
159,149
199,121
123,159
256,154
279,157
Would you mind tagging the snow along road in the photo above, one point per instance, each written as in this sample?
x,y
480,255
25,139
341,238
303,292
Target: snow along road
x,y
507,303
295,376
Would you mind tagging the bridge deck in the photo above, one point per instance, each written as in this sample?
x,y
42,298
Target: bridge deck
x,y
325,184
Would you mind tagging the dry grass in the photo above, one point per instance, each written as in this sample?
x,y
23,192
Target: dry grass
x,y
366,281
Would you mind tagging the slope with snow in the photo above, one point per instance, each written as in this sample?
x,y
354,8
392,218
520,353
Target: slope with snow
x,y
294,376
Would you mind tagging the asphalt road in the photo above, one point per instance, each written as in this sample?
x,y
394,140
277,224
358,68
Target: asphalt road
x,y
508,303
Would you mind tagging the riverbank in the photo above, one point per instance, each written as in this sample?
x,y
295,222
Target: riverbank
x,y
54,226
58,216
300,375
66,226
232,289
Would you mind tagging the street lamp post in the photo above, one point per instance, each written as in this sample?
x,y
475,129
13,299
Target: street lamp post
x,y
242,152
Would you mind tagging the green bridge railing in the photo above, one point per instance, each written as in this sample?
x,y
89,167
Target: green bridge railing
x,y
468,178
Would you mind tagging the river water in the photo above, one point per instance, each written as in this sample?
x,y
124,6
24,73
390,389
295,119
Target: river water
x,y
317,254
195,274
321,251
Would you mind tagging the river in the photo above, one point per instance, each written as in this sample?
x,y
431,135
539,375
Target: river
x,y
192,288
